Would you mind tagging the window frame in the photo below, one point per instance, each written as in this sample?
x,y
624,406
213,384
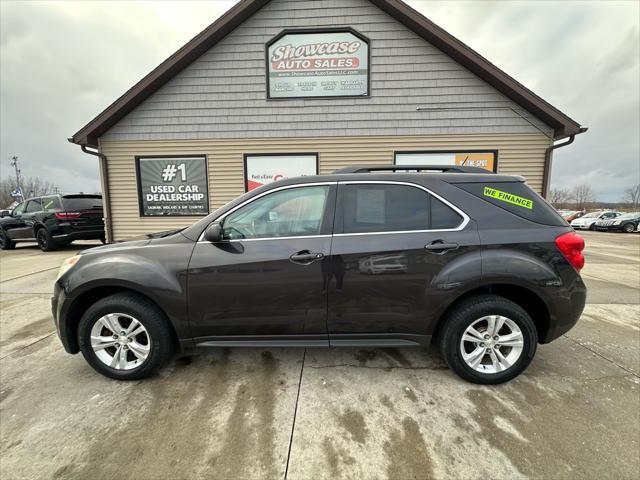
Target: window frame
x,y
458,151
465,218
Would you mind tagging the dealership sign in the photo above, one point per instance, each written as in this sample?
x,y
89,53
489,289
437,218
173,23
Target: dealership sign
x,y
486,160
318,64
263,169
172,185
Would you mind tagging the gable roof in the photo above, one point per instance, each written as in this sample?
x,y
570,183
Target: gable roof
x,y
562,124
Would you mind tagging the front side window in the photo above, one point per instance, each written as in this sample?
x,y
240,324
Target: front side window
x,y
19,208
34,206
286,213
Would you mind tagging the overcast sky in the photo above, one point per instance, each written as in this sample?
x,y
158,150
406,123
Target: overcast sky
x,y
64,62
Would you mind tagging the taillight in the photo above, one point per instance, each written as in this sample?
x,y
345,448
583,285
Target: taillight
x,y
571,245
67,215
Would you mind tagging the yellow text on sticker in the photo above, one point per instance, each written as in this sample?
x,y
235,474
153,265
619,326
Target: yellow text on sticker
x,y
508,197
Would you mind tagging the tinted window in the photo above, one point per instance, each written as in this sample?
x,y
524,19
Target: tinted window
x,y
81,203
383,208
443,216
286,213
517,198
34,206
51,204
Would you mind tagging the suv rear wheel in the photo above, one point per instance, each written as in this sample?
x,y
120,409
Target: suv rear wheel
x,y
45,240
488,339
125,336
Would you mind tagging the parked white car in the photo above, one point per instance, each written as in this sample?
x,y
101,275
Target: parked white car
x,y
588,221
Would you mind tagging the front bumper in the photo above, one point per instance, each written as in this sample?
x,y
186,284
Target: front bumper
x,y
59,305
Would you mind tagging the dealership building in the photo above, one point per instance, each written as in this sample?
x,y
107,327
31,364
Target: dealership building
x,y
282,88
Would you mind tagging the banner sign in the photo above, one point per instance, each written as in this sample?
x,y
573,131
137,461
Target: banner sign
x,y
172,186
319,64
484,160
263,169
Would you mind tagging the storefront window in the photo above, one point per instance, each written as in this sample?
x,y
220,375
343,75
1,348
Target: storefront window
x,y
261,169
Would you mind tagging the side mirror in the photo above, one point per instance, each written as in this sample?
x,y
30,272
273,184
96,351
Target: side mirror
x,y
213,233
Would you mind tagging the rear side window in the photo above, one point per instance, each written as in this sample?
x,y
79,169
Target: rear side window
x,y
51,204
517,198
74,204
371,208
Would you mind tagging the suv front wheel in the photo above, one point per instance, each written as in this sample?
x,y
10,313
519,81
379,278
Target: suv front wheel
x,y
125,336
488,339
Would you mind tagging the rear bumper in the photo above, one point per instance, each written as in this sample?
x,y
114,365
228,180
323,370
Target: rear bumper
x,y
68,234
568,305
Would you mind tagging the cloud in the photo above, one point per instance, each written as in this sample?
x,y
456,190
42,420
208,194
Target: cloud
x,y
62,62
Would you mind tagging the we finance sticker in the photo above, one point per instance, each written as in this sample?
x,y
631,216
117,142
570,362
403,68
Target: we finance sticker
x,y
508,197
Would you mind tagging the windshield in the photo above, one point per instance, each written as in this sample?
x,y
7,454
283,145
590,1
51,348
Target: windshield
x,y
592,215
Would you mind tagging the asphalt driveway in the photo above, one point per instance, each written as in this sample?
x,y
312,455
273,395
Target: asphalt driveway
x,y
324,413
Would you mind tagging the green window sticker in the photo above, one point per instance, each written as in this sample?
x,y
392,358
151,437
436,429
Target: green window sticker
x,y
508,197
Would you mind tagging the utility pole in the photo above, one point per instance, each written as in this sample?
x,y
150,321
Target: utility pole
x,y
14,164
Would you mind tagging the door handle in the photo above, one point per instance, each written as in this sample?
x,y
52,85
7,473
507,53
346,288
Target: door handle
x,y
306,257
439,247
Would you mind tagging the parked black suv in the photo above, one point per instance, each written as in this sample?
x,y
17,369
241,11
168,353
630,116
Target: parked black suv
x,y
477,262
52,221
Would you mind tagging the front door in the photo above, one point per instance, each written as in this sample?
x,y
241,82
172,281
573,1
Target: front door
x,y
391,244
266,280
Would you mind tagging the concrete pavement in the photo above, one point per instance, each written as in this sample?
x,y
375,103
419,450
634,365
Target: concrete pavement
x,y
324,413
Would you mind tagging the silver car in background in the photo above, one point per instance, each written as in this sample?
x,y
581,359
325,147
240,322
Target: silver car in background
x,y
588,221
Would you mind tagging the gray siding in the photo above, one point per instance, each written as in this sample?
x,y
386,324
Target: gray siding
x,y
223,93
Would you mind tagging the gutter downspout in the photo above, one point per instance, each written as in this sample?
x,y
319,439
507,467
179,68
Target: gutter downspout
x,y
548,155
104,176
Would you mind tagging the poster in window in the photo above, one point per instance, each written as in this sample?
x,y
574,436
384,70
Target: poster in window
x,y
263,169
173,186
484,160
318,64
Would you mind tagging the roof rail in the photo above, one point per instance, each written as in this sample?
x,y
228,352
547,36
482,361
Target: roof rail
x,y
419,168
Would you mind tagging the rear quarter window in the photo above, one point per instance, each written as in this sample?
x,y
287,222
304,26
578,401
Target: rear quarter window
x,y
517,198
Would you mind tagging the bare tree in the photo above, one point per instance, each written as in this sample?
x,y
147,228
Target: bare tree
x,y
582,195
632,196
31,187
559,197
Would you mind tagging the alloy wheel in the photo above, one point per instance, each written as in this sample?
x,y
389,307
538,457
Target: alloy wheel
x,y
492,344
42,239
120,341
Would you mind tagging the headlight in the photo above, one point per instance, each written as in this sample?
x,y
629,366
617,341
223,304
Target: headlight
x,y
617,222
67,264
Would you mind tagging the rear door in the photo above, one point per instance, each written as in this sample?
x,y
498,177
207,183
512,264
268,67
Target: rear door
x,y
83,212
392,244
265,280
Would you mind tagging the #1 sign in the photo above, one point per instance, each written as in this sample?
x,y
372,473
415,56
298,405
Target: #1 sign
x,y
173,186
318,64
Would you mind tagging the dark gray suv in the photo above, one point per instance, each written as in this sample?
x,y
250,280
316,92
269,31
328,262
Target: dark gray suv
x,y
367,256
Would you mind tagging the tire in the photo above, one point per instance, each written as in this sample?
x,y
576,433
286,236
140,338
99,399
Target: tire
x,y
473,311
592,227
628,228
5,242
45,240
157,338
